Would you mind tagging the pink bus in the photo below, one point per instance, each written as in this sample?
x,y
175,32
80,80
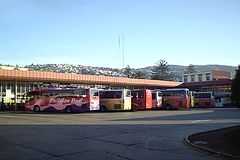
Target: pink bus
x,y
67,100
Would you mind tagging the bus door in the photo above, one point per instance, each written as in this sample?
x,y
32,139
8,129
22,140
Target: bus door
x,y
94,99
127,99
157,99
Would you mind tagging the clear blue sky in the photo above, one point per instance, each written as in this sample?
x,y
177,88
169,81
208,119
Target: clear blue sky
x,y
86,32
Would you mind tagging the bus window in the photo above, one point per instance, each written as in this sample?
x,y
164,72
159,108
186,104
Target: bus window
x,y
153,96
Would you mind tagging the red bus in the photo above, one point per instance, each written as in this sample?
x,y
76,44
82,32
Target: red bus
x,y
176,98
156,99
67,100
203,99
141,99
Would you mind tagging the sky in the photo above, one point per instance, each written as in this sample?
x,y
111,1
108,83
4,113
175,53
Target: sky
x,y
87,32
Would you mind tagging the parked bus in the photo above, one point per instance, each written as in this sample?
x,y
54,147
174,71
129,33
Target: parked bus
x,y
156,99
58,99
176,98
141,99
222,99
115,99
203,99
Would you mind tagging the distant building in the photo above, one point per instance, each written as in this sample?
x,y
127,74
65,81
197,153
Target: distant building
x,y
206,76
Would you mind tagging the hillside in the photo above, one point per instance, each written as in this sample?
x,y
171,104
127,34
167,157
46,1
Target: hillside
x,y
177,70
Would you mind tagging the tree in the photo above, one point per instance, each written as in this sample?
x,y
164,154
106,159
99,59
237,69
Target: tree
x,y
16,67
161,71
190,69
236,87
128,71
31,69
139,75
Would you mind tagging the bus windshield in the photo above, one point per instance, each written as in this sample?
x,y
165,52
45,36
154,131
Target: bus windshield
x,y
202,95
174,92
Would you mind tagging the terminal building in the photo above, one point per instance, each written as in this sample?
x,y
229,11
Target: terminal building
x,y
15,83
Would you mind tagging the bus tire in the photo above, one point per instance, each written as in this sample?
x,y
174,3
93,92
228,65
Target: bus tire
x,y
168,107
36,109
103,108
196,105
68,109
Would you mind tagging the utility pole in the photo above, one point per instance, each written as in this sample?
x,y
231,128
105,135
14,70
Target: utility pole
x,y
123,51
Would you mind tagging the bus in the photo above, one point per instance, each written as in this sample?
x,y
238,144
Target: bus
x,y
203,99
176,98
156,99
141,99
66,100
113,100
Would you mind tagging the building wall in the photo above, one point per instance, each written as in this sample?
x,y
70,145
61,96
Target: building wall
x,y
206,76
197,77
221,74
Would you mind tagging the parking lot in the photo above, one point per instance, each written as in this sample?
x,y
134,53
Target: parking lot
x,y
109,135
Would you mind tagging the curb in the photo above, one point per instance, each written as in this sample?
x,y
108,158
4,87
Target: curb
x,y
186,141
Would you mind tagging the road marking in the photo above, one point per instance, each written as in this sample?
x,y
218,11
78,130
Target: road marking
x,y
200,121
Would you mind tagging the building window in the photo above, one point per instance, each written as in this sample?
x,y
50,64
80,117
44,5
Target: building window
x,y
208,77
185,78
200,77
192,78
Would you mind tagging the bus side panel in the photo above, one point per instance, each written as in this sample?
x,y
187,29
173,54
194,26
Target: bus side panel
x,y
60,103
138,103
175,102
112,104
204,102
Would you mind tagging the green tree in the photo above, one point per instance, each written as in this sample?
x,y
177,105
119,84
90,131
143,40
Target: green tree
x,y
190,69
128,71
16,67
139,75
236,87
161,71
49,70
31,69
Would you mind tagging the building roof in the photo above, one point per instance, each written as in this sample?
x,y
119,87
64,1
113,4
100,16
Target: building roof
x,y
80,78
219,82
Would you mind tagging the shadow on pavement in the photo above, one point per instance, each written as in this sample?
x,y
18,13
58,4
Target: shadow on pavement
x,y
212,114
225,141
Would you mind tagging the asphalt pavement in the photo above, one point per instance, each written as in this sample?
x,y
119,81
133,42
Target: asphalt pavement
x,y
114,135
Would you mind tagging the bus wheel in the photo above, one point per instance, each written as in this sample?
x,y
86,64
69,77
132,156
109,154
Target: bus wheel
x,y
68,109
196,105
103,108
168,106
36,109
